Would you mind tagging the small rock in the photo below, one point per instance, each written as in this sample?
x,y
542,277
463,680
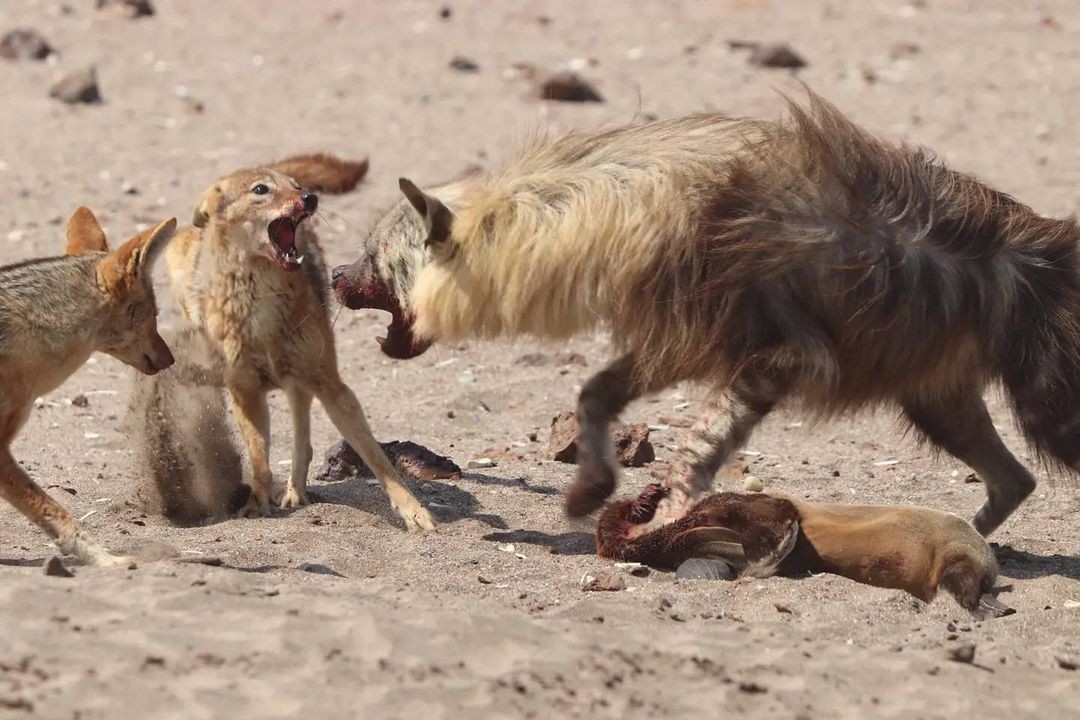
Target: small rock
x,y
126,9
603,582
1067,663
963,653
463,64
193,106
55,568
482,462
80,401
776,56
632,446
78,87
562,445
483,580
972,478
784,609
753,484
129,189
634,568
24,44
568,87
446,12
343,463
704,569
751,688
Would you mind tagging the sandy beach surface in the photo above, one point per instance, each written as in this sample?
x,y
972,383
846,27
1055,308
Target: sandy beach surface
x,y
332,611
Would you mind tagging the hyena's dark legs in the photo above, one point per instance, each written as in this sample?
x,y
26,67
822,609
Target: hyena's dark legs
x,y
729,418
961,425
602,398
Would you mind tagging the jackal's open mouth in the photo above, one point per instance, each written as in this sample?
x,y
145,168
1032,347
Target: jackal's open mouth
x,y
282,235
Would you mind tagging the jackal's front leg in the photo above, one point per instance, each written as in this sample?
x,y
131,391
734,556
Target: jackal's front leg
x,y
348,417
17,488
300,406
253,417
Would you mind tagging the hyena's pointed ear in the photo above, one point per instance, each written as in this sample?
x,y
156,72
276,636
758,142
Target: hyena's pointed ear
x,y
133,260
207,204
437,217
84,234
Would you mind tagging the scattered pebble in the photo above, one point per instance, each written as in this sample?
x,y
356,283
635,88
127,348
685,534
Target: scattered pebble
x,y
1067,663
24,44
777,55
126,9
54,567
753,484
963,653
463,64
80,400
568,87
77,87
602,582
481,462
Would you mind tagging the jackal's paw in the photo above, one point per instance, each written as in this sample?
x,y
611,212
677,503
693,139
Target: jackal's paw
x,y
293,498
256,507
416,517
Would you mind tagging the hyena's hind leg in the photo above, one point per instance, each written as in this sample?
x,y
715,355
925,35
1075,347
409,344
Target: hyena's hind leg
x,y
961,425
729,418
602,398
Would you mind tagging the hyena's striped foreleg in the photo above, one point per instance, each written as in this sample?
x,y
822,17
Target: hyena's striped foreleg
x,y
730,416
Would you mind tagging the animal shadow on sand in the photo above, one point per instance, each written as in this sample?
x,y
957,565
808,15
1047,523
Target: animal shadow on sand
x,y
1023,565
448,503
567,543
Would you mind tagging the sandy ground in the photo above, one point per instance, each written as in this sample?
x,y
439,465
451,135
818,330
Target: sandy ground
x,y
332,610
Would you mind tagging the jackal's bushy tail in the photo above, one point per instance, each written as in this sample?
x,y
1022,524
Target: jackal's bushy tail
x,y
188,466
322,172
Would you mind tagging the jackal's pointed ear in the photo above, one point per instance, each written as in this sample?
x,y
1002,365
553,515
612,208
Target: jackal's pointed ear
x,y
205,206
134,259
84,234
437,217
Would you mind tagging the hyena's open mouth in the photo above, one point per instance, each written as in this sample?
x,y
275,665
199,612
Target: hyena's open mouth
x,y
400,342
282,235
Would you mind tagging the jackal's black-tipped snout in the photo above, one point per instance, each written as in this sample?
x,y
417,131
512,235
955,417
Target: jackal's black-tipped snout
x,y
311,202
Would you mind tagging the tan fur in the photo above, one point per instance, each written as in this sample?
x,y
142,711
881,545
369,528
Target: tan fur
x,y
271,327
56,312
904,547
799,259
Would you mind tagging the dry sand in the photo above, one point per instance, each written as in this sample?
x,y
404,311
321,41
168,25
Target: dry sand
x,y
331,610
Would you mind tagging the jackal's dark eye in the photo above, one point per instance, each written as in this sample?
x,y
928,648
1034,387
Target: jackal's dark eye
x,y
260,189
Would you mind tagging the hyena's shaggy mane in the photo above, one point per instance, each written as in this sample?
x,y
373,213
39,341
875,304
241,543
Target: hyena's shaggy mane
x,y
846,268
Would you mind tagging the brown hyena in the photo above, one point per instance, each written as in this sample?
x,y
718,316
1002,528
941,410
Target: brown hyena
x,y
801,258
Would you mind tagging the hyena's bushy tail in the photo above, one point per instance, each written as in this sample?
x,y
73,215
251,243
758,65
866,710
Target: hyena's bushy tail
x,y
188,467
322,172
